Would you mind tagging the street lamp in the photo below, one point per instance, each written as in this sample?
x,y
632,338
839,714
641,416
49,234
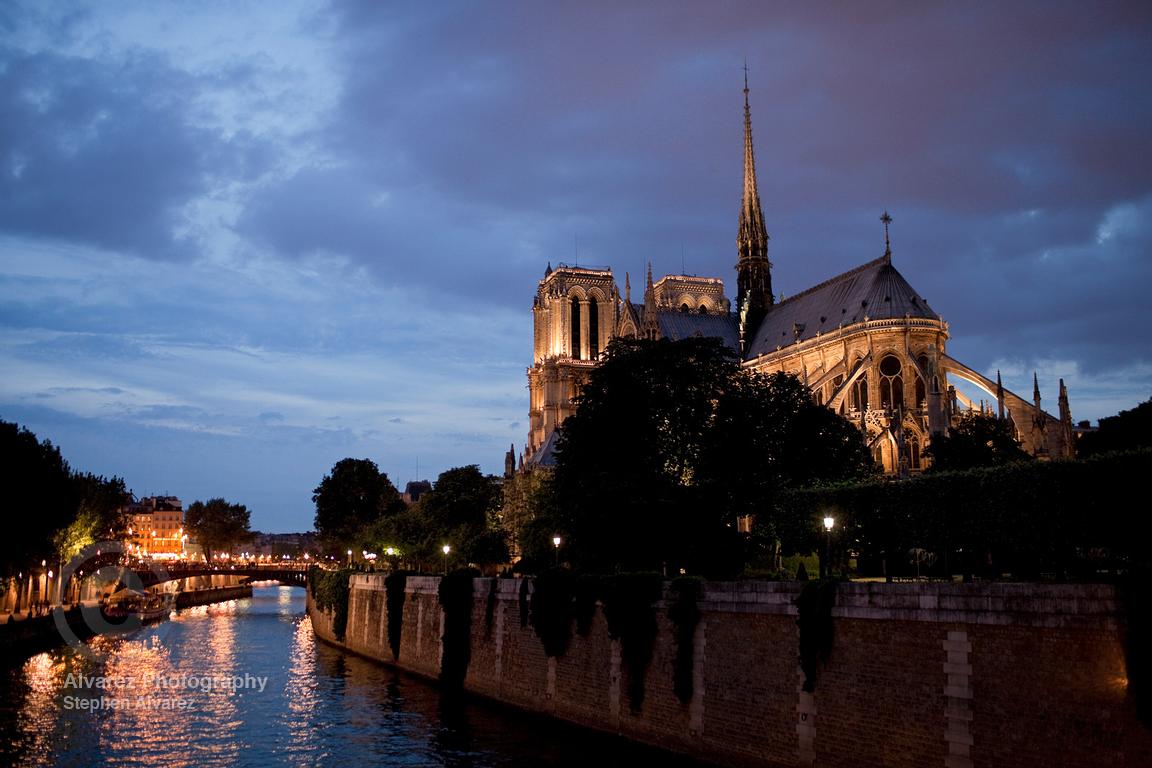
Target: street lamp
x,y
349,557
828,523
446,549
556,544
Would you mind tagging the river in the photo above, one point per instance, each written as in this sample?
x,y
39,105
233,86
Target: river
x,y
245,683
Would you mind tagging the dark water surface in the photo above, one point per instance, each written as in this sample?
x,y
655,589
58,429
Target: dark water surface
x,y
187,692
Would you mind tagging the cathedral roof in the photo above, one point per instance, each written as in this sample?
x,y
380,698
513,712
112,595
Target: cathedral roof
x,y
545,455
676,324
873,291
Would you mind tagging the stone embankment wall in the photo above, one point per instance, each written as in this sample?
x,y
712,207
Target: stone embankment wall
x,y
950,675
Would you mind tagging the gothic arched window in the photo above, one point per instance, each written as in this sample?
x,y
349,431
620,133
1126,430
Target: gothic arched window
x,y
593,329
575,328
891,382
912,446
860,393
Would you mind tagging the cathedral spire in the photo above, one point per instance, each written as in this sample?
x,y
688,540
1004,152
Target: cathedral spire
x,y
753,271
999,396
1068,449
886,219
650,329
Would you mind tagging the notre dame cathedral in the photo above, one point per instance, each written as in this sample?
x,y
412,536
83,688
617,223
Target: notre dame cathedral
x,y
864,341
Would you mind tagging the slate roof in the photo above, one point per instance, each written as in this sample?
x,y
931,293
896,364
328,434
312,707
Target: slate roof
x,y
875,290
545,455
675,325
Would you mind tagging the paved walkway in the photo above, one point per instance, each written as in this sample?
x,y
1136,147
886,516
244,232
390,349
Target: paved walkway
x,y
21,615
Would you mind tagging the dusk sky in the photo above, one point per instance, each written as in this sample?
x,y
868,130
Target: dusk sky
x,y
240,241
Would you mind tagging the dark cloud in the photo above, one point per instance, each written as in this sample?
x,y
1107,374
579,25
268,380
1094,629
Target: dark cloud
x,y
104,151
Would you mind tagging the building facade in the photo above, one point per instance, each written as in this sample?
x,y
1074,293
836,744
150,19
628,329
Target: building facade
x,y
156,528
865,342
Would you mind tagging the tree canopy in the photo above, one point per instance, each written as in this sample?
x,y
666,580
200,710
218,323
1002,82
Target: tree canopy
x,y
673,441
459,511
217,525
352,497
100,514
1126,431
975,440
59,511
37,480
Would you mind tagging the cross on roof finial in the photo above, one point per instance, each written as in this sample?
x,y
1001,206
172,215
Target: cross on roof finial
x,y
887,245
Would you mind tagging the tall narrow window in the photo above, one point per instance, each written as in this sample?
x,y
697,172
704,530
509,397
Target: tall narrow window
x,y
575,328
891,383
593,329
860,393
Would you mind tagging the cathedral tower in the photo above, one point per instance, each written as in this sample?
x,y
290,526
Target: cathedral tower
x,y
574,316
753,271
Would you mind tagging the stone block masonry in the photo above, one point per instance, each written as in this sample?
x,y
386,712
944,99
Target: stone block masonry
x,y
949,675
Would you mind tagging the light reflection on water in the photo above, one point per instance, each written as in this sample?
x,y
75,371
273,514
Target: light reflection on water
x,y
318,706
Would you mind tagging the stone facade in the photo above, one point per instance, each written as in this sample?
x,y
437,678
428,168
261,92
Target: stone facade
x,y
954,675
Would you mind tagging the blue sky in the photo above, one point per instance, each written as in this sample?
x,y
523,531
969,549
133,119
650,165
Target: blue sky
x,y
240,241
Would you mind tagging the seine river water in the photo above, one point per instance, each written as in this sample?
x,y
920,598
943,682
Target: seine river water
x,y
245,683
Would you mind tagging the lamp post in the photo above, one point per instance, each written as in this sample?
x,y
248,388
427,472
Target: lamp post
x,y
446,549
349,557
828,523
556,544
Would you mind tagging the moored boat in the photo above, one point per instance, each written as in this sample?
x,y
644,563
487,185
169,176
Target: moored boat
x,y
145,606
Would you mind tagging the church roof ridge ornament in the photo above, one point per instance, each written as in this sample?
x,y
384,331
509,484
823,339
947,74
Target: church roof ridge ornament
x,y
887,219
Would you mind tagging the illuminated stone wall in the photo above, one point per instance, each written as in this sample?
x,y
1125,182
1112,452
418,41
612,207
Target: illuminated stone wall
x,y
919,674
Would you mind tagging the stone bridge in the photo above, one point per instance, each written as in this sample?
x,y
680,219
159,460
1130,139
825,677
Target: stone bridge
x,y
293,576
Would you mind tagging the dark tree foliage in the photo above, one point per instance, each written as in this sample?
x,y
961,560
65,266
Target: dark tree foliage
x,y
684,613
62,511
460,511
39,491
1050,519
455,592
553,594
976,440
355,495
671,442
330,591
1126,431
408,532
629,609
814,618
217,524
394,585
101,514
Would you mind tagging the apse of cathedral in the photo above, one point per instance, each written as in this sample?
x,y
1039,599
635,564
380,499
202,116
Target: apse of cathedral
x,y
865,342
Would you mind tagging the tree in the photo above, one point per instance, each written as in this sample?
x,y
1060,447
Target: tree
x,y
217,525
671,442
975,440
528,497
39,494
1126,431
461,510
354,496
100,514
